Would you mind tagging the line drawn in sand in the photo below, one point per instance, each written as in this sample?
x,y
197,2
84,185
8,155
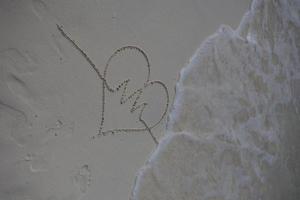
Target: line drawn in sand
x,y
135,96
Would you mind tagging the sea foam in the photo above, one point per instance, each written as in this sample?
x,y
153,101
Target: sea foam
x,y
233,131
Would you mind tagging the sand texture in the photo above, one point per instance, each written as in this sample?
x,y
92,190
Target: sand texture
x,y
86,86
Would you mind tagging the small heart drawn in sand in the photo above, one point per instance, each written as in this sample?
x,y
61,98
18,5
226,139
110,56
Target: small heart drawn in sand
x,y
134,96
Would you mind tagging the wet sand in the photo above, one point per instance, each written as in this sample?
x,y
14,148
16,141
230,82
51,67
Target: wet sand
x,y
51,97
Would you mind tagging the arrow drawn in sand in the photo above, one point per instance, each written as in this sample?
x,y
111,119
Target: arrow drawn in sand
x,y
126,97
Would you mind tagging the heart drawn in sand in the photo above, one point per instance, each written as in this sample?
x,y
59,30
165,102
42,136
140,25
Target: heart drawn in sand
x,y
132,95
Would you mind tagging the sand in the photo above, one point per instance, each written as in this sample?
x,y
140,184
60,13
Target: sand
x,y
51,98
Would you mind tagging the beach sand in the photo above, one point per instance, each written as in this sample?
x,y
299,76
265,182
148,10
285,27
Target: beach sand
x,y
51,98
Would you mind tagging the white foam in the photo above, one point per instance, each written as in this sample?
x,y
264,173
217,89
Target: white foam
x,y
235,115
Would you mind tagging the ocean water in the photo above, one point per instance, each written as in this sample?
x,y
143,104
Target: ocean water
x,y
234,128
